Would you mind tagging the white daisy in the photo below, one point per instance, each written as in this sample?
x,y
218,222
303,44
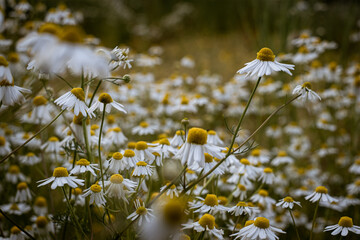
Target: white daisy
x,y
344,225
354,188
16,208
267,176
106,99
129,158
29,159
23,193
14,175
206,223
320,194
82,166
282,158
178,139
40,206
141,213
306,92
74,99
355,167
287,202
259,229
242,208
172,191
4,146
116,136
142,152
208,205
60,178
263,198
214,139
118,187
144,128
265,64
117,163
143,169
11,94
96,194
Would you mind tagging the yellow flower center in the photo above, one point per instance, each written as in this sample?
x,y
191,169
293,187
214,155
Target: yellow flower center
x,y
105,98
241,204
117,129
197,136
141,145
41,222
207,220
244,161
307,85
332,66
262,222
144,124
249,222
2,141
266,54
282,154
164,141
263,193
117,156
110,119
180,132
131,145
141,210
3,61
211,200
141,164
241,187
208,158
303,50
53,139
129,153
22,186
96,188
14,169
321,189
15,230
345,222
40,202
83,162
223,200
288,199
49,28
211,132
79,93
316,64
255,152
268,170
76,191
357,182
30,154
13,57
304,35
184,100
72,35
116,178
60,172
14,206
39,100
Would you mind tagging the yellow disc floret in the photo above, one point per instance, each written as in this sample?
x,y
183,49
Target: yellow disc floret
x,y
96,188
83,162
144,124
208,158
345,222
197,136
307,85
164,141
207,220
241,204
105,98
40,202
22,186
15,230
268,170
129,153
116,178
321,189
244,161
288,199
141,210
266,54
60,172
282,154
41,222
2,141
261,222
141,145
263,193
39,100
79,93
117,156
141,164
211,200
14,169
3,61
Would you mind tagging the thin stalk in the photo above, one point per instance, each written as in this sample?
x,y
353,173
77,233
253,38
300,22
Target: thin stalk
x,y
293,220
313,221
35,135
99,148
96,89
17,225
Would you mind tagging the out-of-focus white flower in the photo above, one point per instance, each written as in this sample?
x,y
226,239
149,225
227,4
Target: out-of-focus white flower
x,y
74,99
206,223
344,225
96,194
103,99
287,202
306,92
60,178
141,213
320,194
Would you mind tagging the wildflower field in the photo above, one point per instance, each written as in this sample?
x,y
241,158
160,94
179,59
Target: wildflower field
x,y
175,119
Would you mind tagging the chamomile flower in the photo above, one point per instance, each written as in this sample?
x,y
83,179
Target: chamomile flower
x,y
116,163
143,169
53,145
344,225
116,136
306,94
164,149
23,193
208,205
40,113
16,234
82,166
144,128
214,139
142,152
106,100
355,167
60,178
4,146
141,213
240,192
43,227
267,176
129,158
172,191
259,229
287,202
265,64
118,187
40,206
96,194
282,158
192,152
242,208
178,139
16,208
320,194
14,175
206,223
263,198
74,99
354,188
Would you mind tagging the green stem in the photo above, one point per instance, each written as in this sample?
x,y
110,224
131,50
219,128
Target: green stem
x,y
293,220
99,148
313,221
17,225
35,135
96,89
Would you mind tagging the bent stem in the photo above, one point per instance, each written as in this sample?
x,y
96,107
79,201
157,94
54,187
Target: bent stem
x,y
313,221
293,220
99,148
35,135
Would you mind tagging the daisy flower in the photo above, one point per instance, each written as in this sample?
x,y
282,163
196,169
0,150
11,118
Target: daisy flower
x,y
118,187
265,64
287,202
263,198
240,192
14,175
142,153
43,227
82,166
320,194
206,223
40,113
245,167
16,208
60,178
282,158
354,188
306,92
23,193
116,163
355,167
53,145
192,152
143,169
344,225
242,208
259,229
267,176
29,159
178,139
74,99
164,149
4,146
144,129
172,191
214,139
96,195
208,205
141,213
116,136
129,158
40,206
106,100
